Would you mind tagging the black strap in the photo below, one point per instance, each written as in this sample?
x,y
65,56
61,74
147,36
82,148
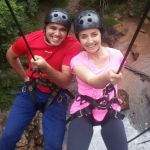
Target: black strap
x,y
97,103
106,104
116,114
53,95
68,93
33,96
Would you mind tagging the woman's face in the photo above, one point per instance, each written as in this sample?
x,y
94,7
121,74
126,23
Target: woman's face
x,y
90,39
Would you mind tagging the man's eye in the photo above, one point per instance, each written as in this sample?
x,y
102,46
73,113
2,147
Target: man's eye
x,y
53,28
83,37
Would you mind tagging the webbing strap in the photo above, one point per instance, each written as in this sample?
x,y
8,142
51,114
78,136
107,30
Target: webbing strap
x,y
33,96
102,103
54,93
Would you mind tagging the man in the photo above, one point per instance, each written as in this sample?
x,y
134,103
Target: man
x,y
48,74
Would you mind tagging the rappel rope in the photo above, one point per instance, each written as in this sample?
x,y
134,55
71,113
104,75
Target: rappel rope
x,y
22,34
20,30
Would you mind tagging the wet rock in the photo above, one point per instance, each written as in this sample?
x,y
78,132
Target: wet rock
x,y
131,14
135,55
148,15
142,30
123,95
146,21
118,27
32,136
117,16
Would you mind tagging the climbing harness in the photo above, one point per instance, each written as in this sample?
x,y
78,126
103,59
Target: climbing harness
x,y
102,103
54,92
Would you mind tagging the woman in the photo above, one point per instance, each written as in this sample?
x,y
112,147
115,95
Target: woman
x,y
95,68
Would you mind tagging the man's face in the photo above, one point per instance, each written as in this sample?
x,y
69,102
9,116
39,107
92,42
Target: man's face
x,y
55,33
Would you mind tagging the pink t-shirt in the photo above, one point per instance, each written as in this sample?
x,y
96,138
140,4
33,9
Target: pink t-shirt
x,y
115,60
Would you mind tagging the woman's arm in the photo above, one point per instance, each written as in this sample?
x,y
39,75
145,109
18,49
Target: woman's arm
x,y
99,82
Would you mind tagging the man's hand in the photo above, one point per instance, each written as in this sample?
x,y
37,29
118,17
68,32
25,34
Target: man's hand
x,y
39,62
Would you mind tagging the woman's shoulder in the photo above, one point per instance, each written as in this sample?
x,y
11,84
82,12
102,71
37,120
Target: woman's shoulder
x,y
115,52
79,58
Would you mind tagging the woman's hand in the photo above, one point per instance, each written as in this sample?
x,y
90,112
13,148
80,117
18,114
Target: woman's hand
x,y
113,77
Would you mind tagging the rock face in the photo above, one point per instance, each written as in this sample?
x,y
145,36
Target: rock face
x,y
138,89
33,135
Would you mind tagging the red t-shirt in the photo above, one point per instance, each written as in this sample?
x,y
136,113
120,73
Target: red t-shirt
x,y
56,56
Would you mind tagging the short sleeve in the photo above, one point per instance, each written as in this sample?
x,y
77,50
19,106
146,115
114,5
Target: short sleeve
x,y
19,47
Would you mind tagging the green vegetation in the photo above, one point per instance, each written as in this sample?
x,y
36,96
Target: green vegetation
x,y
3,122
55,3
8,82
110,21
8,29
25,12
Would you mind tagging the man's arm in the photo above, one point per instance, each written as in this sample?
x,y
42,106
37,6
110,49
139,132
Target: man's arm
x,y
61,79
16,64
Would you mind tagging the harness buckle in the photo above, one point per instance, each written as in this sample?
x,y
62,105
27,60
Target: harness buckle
x,y
24,89
116,115
59,99
81,115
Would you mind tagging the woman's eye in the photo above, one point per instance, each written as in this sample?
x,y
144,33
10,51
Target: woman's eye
x,y
94,34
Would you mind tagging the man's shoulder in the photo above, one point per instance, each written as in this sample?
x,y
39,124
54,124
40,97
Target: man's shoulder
x,y
34,33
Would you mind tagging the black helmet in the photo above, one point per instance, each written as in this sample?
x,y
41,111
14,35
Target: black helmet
x,y
87,19
60,16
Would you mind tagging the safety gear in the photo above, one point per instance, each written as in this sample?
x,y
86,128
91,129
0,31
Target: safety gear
x,y
60,16
87,19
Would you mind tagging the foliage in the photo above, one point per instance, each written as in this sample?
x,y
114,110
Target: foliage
x,y
11,82
8,29
31,6
3,122
110,21
56,3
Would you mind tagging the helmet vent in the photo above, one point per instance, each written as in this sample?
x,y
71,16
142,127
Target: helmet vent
x,y
55,15
81,22
89,20
64,17
89,14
